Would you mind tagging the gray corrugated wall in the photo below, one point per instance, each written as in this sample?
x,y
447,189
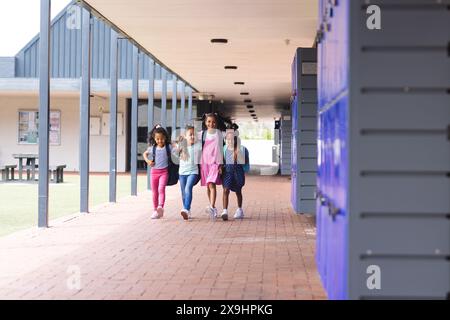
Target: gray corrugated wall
x,y
304,131
66,54
285,145
7,67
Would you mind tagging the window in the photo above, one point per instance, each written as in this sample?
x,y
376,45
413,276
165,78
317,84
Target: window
x,y
29,127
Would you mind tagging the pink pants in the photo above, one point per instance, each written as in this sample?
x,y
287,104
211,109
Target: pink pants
x,y
159,182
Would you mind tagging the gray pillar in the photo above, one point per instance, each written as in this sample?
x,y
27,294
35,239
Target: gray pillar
x,y
183,98
174,106
113,117
190,104
134,119
44,112
164,98
150,110
85,110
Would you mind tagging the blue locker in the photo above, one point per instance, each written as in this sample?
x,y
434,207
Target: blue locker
x,y
383,150
332,183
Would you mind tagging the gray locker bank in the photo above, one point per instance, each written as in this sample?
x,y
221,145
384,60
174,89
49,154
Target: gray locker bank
x,y
383,218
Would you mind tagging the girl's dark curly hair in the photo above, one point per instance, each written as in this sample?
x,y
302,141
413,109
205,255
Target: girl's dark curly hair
x,y
220,121
157,129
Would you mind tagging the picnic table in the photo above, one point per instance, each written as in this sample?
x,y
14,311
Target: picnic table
x,y
30,164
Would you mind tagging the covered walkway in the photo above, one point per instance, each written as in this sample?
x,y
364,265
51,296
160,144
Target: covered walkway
x,y
119,253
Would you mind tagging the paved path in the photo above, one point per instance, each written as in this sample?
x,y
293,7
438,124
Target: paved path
x,y
119,253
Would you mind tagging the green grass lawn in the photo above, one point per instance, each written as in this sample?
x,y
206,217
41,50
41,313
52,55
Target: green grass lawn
x,y
19,201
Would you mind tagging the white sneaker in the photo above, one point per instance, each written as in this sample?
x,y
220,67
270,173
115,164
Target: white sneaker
x,y
224,215
189,214
239,214
155,215
160,212
212,213
208,210
185,214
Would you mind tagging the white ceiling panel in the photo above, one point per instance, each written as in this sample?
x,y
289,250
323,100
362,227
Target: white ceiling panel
x,y
262,34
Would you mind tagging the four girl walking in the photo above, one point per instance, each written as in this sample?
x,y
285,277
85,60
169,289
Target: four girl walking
x,y
205,157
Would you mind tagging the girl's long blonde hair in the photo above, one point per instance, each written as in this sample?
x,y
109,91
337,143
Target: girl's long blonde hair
x,y
184,150
235,144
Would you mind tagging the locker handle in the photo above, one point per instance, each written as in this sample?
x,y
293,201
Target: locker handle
x,y
333,211
322,198
448,132
320,34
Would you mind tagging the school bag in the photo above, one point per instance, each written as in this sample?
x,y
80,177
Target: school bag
x,y
172,168
244,150
199,177
247,161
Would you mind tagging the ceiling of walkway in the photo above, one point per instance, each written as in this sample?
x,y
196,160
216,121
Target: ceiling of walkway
x,y
262,38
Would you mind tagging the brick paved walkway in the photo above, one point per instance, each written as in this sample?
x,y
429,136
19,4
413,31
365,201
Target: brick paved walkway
x,y
121,254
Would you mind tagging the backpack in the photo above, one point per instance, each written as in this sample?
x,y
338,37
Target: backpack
x,y
199,176
172,168
247,160
246,165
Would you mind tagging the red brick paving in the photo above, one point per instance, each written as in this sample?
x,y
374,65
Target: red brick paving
x,y
122,254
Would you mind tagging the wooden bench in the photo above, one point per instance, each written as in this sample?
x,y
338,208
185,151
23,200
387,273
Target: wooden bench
x,y
57,173
29,169
6,170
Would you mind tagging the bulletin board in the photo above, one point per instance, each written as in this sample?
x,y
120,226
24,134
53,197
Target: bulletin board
x,y
95,123
28,127
106,122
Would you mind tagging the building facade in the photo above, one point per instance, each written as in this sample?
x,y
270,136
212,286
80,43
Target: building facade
x,y
19,99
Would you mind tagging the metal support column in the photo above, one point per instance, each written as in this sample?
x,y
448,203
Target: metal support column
x,y
190,104
164,98
113,117
85,110
44,112
182,98
151,107
134,119
174,106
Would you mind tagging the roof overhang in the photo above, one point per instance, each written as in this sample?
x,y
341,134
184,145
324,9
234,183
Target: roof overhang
x,y
263,36
60,86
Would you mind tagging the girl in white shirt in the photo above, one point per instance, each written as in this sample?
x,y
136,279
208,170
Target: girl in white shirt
x,y
190,151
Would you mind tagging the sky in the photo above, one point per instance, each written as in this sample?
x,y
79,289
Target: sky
x,y
19,23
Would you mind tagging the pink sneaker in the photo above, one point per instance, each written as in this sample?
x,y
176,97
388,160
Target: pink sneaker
x,y
160,212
